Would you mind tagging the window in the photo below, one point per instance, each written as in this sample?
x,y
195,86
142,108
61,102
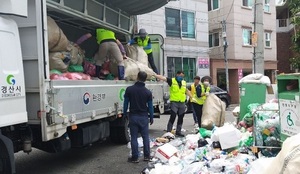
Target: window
x,y
188,28
187,65
214,40
247,36
248,3
180,23
268,39
267,6
213,4
173,22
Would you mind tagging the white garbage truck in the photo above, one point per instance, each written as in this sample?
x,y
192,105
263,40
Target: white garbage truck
x,y
56,115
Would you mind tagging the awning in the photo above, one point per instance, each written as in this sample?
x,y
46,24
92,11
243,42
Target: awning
x,y
137,7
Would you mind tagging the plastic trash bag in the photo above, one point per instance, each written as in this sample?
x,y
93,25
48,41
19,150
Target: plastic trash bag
x,y
57,40
137,53
213,112
205,133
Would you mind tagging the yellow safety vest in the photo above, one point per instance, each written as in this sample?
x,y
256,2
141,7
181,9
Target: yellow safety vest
x,y
103,34
177,94
193,90
144,43
201,100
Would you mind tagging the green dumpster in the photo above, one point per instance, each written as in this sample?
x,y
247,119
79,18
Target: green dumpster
x,y
289,107
251,93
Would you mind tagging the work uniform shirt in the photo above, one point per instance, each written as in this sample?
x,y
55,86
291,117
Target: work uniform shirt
x,y
139,96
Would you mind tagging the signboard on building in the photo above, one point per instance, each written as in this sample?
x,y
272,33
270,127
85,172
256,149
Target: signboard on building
x,y
203,63
289,117
240,73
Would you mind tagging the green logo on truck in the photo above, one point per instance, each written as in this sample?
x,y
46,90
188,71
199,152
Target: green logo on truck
x,y
121,94
10,79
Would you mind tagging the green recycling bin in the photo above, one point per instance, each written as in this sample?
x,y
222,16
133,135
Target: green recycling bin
x,y
289,106
251,93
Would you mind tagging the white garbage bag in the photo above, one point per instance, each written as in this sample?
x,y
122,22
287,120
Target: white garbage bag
x,y
132,68
57,40
56,61
213,112
137,53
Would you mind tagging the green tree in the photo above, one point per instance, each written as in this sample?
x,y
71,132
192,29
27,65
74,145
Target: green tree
x,y
294,7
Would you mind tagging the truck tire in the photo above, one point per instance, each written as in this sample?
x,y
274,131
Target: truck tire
x,y
119,131
5,161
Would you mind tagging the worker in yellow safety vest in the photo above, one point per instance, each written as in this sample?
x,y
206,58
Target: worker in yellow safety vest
x,y
199,97
192,88
108,48
178,92
144,41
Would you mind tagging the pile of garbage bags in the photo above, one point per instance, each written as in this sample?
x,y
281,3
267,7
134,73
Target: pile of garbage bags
x,y
208,151
68,57
263,120
223,149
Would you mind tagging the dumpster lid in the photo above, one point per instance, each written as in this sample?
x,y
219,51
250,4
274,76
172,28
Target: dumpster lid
x,y
137,7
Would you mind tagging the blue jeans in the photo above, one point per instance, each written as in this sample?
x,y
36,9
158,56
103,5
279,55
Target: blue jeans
x,y
139,124
194,114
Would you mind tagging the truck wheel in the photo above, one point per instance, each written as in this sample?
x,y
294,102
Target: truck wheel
x,y
5,166
119,131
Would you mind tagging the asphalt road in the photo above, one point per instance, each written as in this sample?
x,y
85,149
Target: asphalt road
x,y
103,157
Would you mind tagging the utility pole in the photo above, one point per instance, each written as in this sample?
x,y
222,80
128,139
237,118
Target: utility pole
x,y
225,45
258,49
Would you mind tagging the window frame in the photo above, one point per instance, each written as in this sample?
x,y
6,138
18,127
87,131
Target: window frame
x,y
267,5
213,38
269,39
210,4
189,74
248,6
181,33
250,37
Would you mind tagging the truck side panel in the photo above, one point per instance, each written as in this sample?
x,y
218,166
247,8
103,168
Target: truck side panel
x,y
76,102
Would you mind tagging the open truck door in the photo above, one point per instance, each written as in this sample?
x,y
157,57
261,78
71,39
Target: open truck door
x,y
12,89
12,94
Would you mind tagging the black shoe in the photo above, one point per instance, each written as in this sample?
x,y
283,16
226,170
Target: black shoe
x,y
132,160
146,159
180,134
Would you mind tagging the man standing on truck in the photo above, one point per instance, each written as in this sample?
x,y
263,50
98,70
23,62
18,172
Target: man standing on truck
x,y
108,47
140,100
144,41
178,92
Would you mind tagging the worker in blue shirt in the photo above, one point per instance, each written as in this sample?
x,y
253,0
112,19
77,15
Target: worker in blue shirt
x,y
140,100
144,41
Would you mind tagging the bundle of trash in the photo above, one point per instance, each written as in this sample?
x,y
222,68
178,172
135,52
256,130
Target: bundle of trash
x,y
68,57
208,151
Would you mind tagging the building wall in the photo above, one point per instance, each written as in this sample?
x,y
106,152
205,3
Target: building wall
x,y
284,52
241,17
239,56
155,23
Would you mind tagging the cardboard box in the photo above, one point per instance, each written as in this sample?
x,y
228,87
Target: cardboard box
x,y
165,152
